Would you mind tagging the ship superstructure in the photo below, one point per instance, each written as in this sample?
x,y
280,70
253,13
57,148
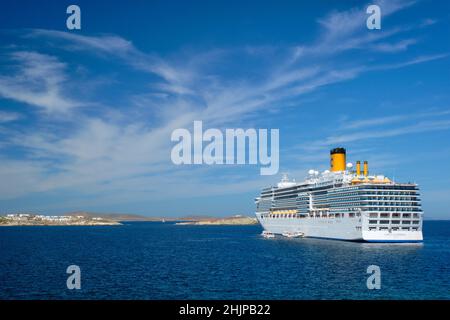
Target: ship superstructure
x,y
343,203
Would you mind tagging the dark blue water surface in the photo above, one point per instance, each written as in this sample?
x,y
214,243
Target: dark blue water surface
x,y
150,260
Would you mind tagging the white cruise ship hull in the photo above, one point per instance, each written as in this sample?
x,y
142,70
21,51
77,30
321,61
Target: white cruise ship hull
x,y
338,229
348,229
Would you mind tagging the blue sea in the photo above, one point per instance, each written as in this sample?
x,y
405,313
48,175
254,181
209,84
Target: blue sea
x,y
152,260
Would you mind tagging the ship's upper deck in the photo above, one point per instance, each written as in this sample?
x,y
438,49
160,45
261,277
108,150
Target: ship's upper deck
x,y
341,192
340,175
328,179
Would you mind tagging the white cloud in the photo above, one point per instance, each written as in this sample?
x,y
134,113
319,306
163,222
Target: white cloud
x,y
424,126
110,44
38,81
394,47
19,177
117,47
410,62
9,116
346,30
428,22
379,121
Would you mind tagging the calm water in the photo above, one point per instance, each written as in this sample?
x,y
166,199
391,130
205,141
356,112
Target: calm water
x,y
147,260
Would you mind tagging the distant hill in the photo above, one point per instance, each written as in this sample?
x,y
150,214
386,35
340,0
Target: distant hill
x,y
234,220
114,216
195,218
190,218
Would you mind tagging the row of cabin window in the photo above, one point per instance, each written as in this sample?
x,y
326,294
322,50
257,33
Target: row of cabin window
x,y
394,215
393,228
298,216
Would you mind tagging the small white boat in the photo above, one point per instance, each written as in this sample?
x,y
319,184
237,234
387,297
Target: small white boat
x,y
293,234
267,234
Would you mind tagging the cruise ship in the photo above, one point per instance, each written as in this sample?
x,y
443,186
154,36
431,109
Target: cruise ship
x,y
343,203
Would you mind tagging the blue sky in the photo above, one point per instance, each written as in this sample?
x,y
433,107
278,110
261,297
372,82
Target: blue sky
x,y
86,115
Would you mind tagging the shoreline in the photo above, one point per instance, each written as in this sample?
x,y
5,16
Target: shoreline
x,y
25,219
61,225
82,218
230,221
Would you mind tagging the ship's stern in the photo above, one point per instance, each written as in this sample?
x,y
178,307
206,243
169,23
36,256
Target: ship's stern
x,y
392,228
392,236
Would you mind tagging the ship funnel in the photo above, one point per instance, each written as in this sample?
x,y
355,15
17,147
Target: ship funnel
x,y
366,168
358,168
337,159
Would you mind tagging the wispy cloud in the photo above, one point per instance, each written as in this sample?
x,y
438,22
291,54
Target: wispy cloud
x,y
38,81
379,121
115,47
394,47
428,22
6,116
367,130
410,62
424,126
346,30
